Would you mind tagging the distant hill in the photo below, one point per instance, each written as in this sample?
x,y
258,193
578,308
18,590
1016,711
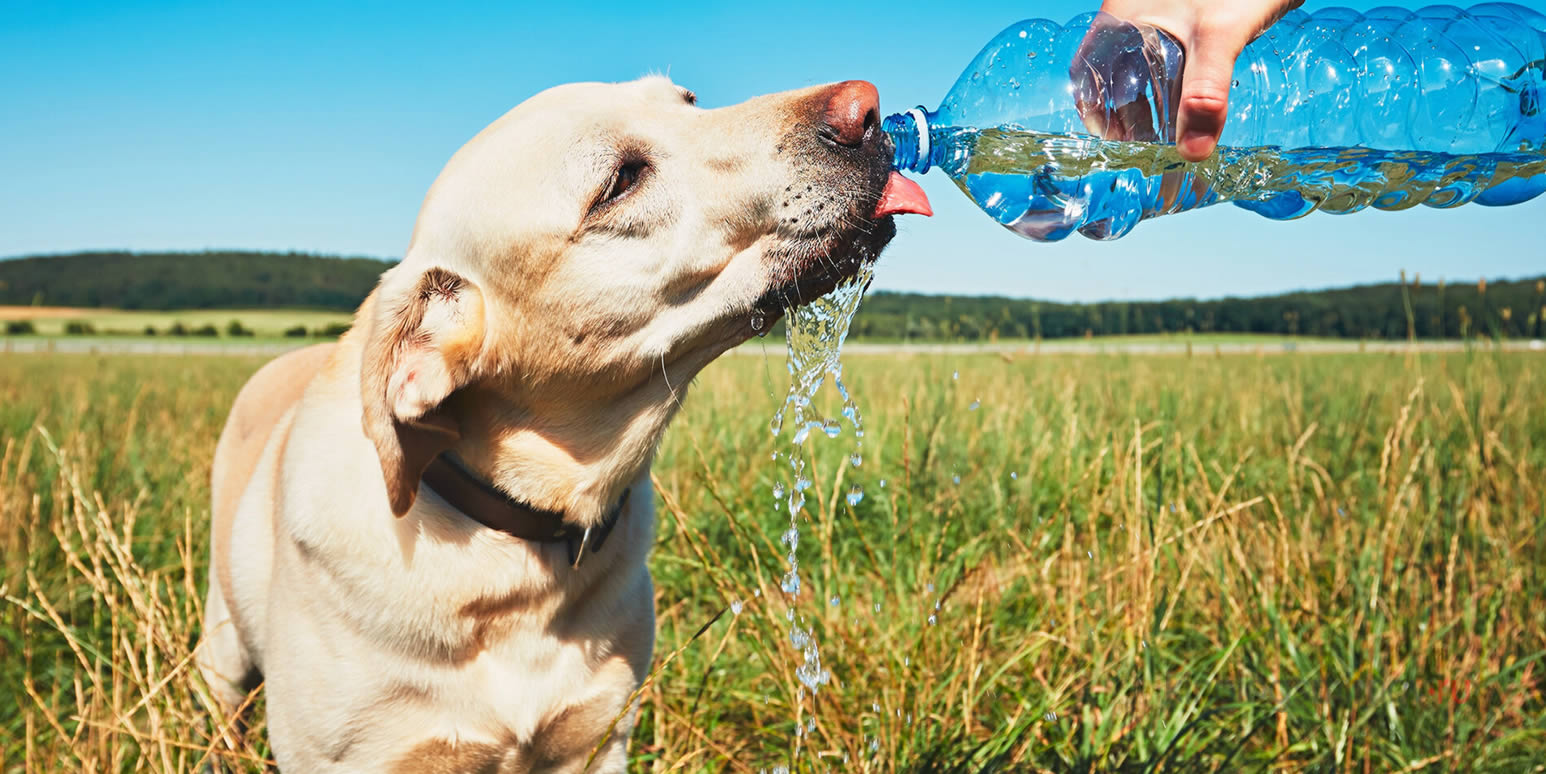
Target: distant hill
x,y
227,280
208,280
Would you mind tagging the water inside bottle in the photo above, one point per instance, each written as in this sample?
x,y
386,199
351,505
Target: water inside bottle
x,y
1045,186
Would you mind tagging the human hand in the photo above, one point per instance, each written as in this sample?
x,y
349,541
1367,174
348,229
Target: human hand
x,y
1213,33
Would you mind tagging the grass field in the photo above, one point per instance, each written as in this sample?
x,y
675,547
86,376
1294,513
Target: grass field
x,y
1327,563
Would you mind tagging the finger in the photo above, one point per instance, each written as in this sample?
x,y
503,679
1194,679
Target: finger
x,y
1205,95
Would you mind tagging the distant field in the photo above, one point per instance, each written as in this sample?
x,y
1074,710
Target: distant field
x,y
265,323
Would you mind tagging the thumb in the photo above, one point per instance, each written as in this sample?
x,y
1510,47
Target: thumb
x,y
1205,95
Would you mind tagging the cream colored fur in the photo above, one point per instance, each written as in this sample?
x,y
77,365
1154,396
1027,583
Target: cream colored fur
x,y
546,336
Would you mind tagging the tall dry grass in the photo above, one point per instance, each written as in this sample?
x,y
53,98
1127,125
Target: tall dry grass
x,y
1133,564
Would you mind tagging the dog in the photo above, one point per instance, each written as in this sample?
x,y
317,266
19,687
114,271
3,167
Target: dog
x,y
429,539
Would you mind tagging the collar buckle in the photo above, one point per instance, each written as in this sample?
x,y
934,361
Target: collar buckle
x,y
577,547
578,544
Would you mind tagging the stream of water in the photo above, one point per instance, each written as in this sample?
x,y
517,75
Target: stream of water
x,y
814,334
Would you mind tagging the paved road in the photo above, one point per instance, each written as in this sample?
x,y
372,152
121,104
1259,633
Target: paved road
x,y
110,346
137,346
1166,347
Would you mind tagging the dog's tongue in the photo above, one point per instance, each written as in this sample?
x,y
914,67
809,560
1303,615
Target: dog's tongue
x,y
902,196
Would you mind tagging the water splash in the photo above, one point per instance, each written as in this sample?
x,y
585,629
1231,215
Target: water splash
x,y
814,334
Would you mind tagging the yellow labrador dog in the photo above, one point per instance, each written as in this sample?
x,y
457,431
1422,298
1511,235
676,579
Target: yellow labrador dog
x,y
429,539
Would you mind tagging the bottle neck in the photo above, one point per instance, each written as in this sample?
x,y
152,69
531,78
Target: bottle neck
x,y
909,134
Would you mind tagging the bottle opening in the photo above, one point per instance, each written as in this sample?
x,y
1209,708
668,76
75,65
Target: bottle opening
x,y
909,134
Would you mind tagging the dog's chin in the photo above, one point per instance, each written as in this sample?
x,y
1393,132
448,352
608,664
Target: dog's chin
x,y
807,269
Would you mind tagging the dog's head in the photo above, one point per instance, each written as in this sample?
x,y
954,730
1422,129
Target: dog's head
x,y
582,258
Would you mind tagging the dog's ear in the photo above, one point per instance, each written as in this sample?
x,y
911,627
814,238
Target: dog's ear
x,y
426,331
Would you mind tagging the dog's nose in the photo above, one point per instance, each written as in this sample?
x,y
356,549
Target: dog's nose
x,y
853,109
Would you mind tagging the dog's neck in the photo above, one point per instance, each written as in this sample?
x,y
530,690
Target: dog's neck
x,y
575,460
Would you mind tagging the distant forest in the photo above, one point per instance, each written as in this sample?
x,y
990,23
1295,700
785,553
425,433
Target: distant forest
x,y
208,280
215,280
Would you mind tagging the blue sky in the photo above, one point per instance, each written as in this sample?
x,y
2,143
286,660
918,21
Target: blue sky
x,y
319,126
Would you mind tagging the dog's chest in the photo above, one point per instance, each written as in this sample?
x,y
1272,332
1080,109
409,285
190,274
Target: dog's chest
x,y
513,707
523,680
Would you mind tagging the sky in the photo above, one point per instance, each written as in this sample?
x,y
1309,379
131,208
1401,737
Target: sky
x,y
318,127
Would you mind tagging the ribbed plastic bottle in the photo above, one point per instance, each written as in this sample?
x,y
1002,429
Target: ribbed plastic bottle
x,y
1060,128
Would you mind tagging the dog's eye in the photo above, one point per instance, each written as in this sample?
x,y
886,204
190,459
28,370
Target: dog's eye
x,y
623,180
689,97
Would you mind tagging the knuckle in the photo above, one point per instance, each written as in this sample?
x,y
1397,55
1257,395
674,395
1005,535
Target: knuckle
x,y
1205,97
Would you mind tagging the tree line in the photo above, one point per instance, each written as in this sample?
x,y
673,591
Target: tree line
x,y
1394,310
203,280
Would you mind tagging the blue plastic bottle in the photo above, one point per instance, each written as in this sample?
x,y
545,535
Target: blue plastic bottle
x,y
1057,128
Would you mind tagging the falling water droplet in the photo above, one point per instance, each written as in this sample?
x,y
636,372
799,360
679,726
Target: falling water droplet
x,y
933,619
855,495
856,459
800,435
831,428
799,637
976,404
955,375
791,538
735,607
883,483
834,601
1014,476
778,490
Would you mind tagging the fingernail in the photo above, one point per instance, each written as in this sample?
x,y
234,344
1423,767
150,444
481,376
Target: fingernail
x,y
1198,144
